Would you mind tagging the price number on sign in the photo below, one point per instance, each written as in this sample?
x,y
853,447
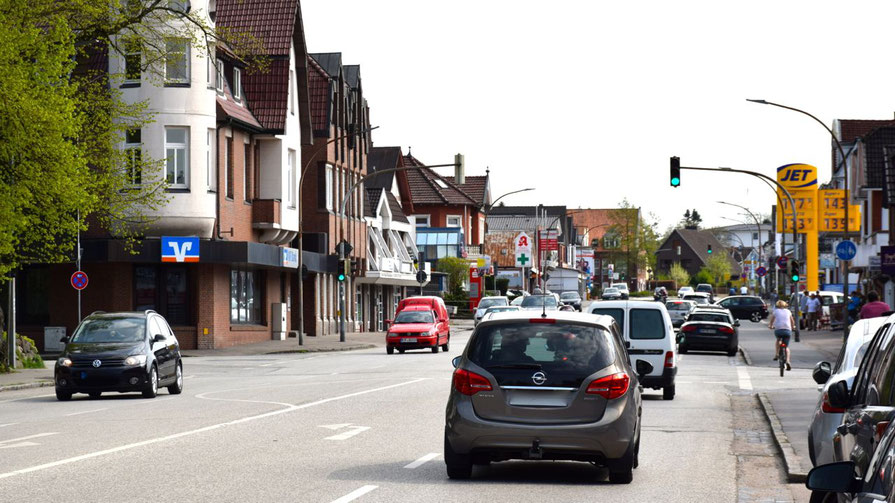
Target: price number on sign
x,y
803,224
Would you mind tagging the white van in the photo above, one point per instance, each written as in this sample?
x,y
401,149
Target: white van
x,y
646,327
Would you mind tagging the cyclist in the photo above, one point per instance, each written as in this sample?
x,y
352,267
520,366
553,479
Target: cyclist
x,y
782,324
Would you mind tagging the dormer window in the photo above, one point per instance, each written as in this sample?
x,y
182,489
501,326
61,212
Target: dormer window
x,y
441,183
219,76
237,84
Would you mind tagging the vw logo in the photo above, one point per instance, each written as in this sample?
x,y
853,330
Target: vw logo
x,y
539,378
97,363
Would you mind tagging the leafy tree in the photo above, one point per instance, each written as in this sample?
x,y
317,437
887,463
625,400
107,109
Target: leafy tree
x,y
637,239
678,274
691,220
718,266
703,276
457,270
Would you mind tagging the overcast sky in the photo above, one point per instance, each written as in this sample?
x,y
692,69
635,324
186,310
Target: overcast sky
x,y
587,100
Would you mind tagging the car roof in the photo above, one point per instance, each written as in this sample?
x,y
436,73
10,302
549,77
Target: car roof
x,y
572,316
121,314
743,296
627,303
698,294
417,307
493,297
866,327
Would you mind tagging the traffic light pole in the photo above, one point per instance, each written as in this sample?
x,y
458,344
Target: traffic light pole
x,y
795,226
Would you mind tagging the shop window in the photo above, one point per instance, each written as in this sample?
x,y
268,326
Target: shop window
x,y
246,296
32,295
165,289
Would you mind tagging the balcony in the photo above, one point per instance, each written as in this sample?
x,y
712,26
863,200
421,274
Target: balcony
x,y
266,213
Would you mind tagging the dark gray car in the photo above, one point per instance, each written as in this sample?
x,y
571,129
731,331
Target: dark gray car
x,y
555,387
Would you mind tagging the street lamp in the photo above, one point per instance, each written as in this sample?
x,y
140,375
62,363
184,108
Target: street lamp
x,y
847,199
757,224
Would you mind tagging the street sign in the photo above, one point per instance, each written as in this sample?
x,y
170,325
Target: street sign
x,y
343,249
421,276
781,262
831,212
548,240
523,259
79,280
846,250
761,271
523,242
180,249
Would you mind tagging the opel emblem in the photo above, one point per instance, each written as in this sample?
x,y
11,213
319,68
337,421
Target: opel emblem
x,y
97,363
539,378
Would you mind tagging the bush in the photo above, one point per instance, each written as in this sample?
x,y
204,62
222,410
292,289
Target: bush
x,y
641,294
26,354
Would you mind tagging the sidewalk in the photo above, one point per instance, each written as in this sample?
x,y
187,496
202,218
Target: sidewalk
x,y
36,378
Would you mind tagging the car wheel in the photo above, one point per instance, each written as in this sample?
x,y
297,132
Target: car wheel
x,y
447,345
95,394
177,387
623,470
459,466
756,317
435,347
63,396
152,386
811,456
668,392
732,351
682,349
401,351
822,497
390,350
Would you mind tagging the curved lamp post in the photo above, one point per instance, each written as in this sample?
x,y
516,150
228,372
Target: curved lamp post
x,y
757,224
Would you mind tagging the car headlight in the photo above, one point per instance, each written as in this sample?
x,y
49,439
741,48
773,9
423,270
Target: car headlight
x,y
64,362
135,360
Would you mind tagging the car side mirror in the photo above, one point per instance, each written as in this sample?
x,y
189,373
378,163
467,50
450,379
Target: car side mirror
x,y
834,477
387,322
822,372
64,340
736,323
158,338
838,395
643,368
456,361
627,344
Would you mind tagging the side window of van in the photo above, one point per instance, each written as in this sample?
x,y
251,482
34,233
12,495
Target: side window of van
x,y
617,313
862,378
646,324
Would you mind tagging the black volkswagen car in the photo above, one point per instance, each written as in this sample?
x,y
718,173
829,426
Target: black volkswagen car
x,y
711,330
123,352
745,307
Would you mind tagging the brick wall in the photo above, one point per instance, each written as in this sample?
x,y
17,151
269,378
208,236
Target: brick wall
x,y
236,212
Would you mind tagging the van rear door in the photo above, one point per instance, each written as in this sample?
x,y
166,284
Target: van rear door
x,y
649,336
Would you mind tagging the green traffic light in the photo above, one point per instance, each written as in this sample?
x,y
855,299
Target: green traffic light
x,y
341,277
795,278
675,182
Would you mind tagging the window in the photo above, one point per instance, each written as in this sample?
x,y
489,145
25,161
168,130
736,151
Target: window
x,y
290,179
247,174
164,289
211,171
441,183
33,294
245,296
646,324
182,6
237,84
755,236
228,181
219,76
337,179
177,62
329,187
421,220
132,62
133,151
453,221
291,92
176,156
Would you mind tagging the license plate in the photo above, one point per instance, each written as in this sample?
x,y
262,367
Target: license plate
x,y
408,339
709,331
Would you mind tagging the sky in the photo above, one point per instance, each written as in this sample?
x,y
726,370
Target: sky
x,y
586,100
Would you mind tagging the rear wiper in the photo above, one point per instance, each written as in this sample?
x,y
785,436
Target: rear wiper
x,y
530,366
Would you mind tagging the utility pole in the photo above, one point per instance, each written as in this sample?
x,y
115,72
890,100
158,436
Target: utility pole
x,y
11,323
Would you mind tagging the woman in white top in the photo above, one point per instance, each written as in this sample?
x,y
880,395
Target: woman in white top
x,y
782,324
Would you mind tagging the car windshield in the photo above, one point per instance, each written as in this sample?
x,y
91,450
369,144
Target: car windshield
x,y
106,330
485,303
699,299
517,301
826,300
414,317
500,309
567,353
569,296
646,324
677,306
539,301
617,313
719,318
704,288
611,290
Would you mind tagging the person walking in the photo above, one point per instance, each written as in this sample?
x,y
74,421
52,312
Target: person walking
x,y
813,308
782,325
874,307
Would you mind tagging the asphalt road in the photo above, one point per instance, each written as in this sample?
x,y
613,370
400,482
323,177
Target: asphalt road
x,y
364,426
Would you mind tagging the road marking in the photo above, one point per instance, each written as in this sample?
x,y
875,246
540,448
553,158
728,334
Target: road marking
x,y
350,433
335,426
84,412
7,424
423,460
357,493
19,442
715,382
744,380
135,445
25,398
189,377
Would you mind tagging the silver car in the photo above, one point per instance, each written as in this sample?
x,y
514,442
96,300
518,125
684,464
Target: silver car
x,y
487,302
678,311
826,417
555,387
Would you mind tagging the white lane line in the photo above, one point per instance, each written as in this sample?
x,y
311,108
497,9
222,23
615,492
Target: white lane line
x,y
29,437
743,378
189,377
353,495
350,433
84,412
25,398
423,460
174,436
715,382
7,424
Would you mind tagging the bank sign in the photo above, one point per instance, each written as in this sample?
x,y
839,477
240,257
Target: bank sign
x,y
180,249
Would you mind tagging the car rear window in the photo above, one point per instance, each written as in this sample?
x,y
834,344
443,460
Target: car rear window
x,y
566,353
539,300
492,302
677,306
617,313
719,318
646,324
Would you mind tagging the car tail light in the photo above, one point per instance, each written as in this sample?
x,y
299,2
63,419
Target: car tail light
x,y
880,430
669,359
826,407
688,328
542,320
726,330
470,383
611,386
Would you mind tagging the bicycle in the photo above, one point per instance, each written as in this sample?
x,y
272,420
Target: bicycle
x,y
781,357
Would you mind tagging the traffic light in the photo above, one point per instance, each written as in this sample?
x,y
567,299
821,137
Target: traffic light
x,y
709,250
675,172
344,269
794,271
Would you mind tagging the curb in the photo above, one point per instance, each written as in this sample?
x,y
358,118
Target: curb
x,y
745,355
38,384
321,350
790,458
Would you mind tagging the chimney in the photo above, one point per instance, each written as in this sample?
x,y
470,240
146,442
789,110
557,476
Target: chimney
x,y
459,169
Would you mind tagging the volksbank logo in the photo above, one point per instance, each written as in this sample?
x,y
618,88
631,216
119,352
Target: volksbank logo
x,y
180,249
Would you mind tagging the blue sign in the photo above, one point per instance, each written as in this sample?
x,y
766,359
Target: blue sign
x,y
846,250
290,258
79,280
180,249
761,271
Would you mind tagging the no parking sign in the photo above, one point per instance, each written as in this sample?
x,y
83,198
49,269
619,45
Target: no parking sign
x,y
79,280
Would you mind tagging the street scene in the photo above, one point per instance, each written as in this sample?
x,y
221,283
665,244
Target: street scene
x,y
236,267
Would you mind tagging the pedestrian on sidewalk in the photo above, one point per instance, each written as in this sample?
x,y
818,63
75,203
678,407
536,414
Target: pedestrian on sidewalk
x,y
782,325
744,290
854,306
874,307
813,307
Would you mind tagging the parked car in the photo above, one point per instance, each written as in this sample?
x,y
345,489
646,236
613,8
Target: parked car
x,y
500,309
540,302
571,299
709,329
700,298
485,303
678,311
684,290
122,352
706,288
826,417
518,300
557,388
622,288
646,326
611,294
834,481
745,307
417,327
436,304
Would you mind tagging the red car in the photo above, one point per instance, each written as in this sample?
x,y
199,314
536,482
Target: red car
x,y
417,327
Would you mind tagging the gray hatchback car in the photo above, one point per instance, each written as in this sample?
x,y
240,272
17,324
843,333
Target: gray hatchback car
x,y
544,387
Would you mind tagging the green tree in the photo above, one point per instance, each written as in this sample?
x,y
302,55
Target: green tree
x,y
718,266
457,270
703,276
635,237
678,274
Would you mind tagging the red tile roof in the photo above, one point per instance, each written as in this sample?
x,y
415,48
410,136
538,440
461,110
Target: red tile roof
x,y
426,189
475,186
271,21
228,107
855,128
268,94
319,90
